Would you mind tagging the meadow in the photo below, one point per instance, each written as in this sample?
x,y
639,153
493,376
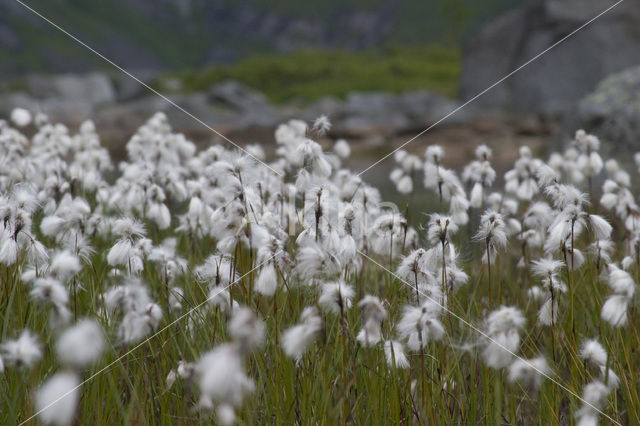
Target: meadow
x,y
223,287
307,75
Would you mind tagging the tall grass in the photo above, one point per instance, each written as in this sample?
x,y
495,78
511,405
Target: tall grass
x,y
337,381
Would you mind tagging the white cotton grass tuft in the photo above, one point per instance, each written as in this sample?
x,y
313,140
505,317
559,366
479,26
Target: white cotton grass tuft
x,y
614,310
492,233
503,328
313,260
620,281
127,227
49,290
226,414
394,353
65,265
222,380
132,296
120,253
23,351
297,339
170,379
600,227
594,396
420,325
81,344
609,378
440,228
138,324
221,299
176,296
405,185
185,369
336,297
373,313
446,184
267,280
589,161
56,400
321,125
626,262
434,154
8,249
246,329
529,373
480,175
475,197
21,117
128,230
592,351
548,270
342,148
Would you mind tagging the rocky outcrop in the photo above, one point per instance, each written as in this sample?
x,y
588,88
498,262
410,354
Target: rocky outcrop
x,y
251,106
67,98
612,112
560,77
378,112
123,105
92,88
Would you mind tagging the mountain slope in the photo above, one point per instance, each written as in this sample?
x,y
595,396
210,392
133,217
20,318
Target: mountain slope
x,y
182,34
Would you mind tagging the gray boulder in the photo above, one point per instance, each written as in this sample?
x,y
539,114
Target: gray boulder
x,y
612,112
235,95
330,106
58,110
563,75
92,88
251,107
67,98
424,108
127,88
373,112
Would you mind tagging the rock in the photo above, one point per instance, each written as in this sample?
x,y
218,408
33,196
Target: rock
x,y
127,88
8,101
69,112
612,112
327,105
425,108
563,75
92,88
370,112
130,115
124,105
235,95
252,107
224,108
366,113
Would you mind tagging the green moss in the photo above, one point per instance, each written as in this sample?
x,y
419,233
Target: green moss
x,y
308,75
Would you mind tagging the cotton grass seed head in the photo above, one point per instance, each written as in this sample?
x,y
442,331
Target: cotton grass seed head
x,y
81,344
529,373
23,351
56,400
297,339
247,329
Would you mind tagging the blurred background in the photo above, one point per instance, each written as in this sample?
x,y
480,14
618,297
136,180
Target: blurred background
x,y
381,70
